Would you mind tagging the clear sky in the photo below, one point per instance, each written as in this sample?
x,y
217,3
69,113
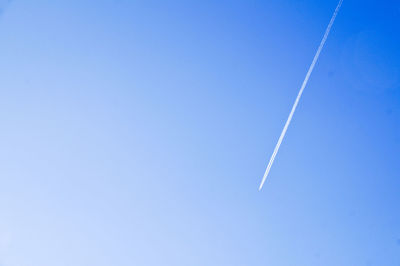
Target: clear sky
x,y
137,133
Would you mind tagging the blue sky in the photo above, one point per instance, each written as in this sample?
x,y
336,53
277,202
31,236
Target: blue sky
x,y
137,132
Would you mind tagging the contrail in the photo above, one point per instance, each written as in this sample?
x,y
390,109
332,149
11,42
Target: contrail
x,y
321,45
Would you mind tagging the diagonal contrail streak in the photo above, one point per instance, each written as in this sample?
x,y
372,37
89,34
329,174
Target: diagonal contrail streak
x,y
321,45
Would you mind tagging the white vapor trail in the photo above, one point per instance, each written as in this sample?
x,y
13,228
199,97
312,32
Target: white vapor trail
x,y
321,45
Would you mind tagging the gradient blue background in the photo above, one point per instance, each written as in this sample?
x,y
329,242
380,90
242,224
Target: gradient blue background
x,y
137,132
